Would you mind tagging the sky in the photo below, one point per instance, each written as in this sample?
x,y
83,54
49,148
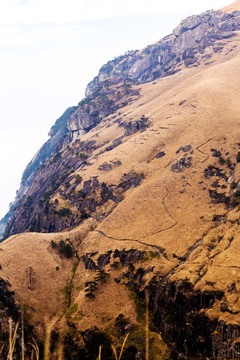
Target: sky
x,y
51,49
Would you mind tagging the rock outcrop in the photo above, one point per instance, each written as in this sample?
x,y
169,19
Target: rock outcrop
x,y
179,314
187,45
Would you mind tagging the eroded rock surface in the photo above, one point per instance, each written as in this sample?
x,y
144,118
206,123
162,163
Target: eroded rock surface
x,y
187,44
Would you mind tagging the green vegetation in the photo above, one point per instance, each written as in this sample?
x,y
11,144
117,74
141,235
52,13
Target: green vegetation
x,y
81,194
84,215
107,68
56,157
233,185
229,163
71,310
186,285
156,74
85,101
78,179
238,157
64,211
236,198
91,287
28,202
63,249
101,276
221,160
83,156
115,265
67,292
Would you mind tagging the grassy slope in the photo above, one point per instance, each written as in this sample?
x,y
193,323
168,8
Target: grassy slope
x,y
169,210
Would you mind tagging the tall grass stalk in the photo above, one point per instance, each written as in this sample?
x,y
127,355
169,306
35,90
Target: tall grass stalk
x,y
35,348
60,348
22,324
121,352
12,340
1,350
100,353
147,326
47,343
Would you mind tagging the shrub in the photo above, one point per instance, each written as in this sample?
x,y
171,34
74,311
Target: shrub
x,y
54,244
229,163
78,179
57,157
120,323
221,160
107,68
101,276
64,249
115,265
186,285
131,267
237,194
233,185
67,184
91,287
28,202
84,215
64,211
81,194
83,156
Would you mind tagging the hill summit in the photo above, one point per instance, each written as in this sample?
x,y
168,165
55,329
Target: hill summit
x,y
136,196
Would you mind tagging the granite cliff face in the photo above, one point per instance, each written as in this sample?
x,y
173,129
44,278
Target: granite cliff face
x,y
193,41
187,46
137,192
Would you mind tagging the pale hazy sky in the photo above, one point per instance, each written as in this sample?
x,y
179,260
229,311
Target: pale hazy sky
x,y
51,49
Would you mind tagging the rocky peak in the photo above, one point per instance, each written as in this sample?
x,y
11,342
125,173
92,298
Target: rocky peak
x,y
184,47
192,43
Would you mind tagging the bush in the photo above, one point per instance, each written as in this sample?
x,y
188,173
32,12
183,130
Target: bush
x,y
221,160
91,287
120,323
83,156
64,211
54,244
64,249
78,179
101,276
84,215
115,265
186,285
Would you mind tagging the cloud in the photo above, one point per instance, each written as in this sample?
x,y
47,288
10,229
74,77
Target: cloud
x,y
64,11
19,35
22,2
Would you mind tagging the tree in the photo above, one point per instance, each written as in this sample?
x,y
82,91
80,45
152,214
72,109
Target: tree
x,y
91,287
101,276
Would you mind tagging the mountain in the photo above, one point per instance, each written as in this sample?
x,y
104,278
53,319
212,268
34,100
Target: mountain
x,y
138,198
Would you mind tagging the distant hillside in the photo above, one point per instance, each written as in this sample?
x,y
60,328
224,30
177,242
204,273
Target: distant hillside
x,y
3,224
56,133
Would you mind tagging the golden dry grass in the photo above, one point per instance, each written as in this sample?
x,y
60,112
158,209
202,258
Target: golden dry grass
x,y
232,7
169,210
